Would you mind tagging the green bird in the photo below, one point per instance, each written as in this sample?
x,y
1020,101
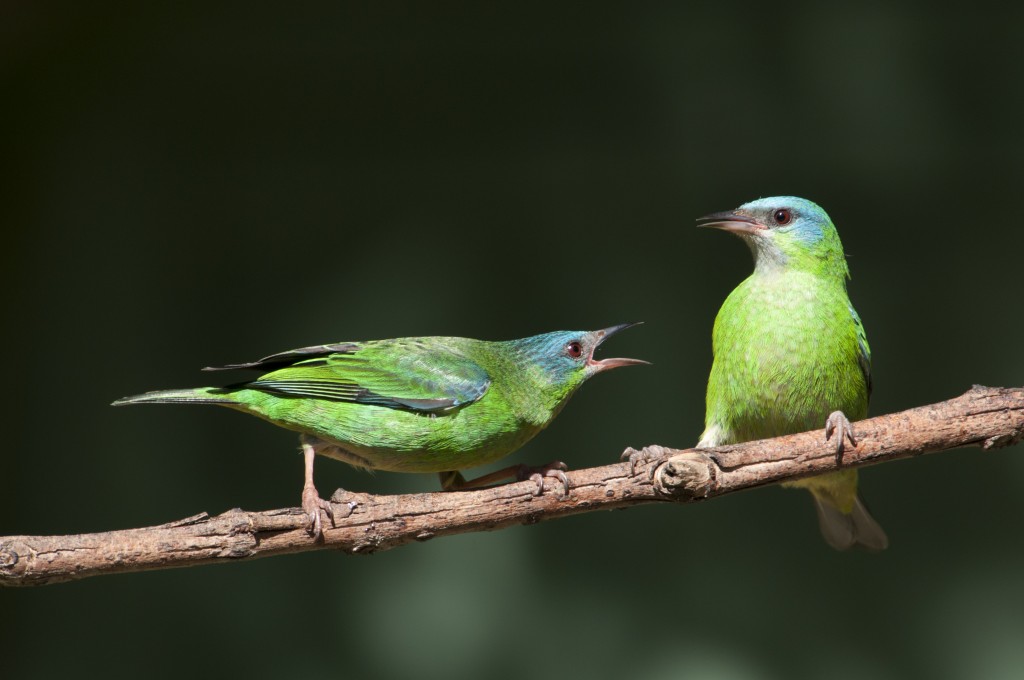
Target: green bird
x,y
791,354
431,404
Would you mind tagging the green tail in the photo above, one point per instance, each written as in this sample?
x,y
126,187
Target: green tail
x,y
196,395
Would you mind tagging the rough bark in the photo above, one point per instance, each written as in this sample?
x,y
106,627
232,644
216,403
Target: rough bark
x,y
985,417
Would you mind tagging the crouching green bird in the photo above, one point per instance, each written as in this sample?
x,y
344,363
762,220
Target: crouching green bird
x,y
432,404
790,352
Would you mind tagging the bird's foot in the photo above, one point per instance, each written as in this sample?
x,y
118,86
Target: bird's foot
x,y
315,507
648,454
838,424
555,469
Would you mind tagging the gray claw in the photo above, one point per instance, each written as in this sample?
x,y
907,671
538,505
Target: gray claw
x,y
555,470
538,479
839,425
317,524
560,476
642,457
630,454
313,505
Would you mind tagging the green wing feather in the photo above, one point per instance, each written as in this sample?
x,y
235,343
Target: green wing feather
x,y
407,374
863,349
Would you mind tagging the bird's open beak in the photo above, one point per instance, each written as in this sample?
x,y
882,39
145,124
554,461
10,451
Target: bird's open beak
x,y
731,221
607,364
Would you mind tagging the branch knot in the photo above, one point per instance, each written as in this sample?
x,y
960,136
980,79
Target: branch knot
x,y
8,556
687,475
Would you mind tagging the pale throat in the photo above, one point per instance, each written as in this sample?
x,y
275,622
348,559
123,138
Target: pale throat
x,y
768,258
771,260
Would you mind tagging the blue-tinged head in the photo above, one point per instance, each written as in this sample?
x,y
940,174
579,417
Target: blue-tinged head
x,y
784,232
563,360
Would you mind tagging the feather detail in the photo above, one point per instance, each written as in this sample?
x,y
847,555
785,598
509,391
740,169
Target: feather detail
x,y
410,374
864,354
290,357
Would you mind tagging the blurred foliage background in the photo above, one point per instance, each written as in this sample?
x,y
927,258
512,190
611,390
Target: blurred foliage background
x,y
191,185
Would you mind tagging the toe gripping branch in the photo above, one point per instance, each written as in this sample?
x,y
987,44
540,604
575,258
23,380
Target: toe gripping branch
x,y
688,474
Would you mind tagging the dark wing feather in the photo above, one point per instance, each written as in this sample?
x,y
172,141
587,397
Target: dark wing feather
x,y
282,359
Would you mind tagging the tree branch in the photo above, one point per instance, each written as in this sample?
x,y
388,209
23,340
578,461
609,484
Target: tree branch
x,y
984,416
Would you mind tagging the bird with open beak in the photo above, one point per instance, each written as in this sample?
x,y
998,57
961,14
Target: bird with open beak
x,y
428,404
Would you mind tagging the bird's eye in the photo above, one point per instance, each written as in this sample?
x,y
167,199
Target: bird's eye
x,y
574,349
782,217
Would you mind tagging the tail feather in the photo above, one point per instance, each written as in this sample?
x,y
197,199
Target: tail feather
x,y
843,530
197,395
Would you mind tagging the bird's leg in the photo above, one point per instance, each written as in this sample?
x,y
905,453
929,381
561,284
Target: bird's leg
x,y
838,424
312,504
648,454
453,480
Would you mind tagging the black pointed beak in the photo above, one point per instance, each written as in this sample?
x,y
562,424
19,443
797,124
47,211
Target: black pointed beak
x,y
730,221
606,364
606,333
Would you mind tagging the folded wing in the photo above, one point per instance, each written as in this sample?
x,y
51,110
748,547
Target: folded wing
x,y
411,375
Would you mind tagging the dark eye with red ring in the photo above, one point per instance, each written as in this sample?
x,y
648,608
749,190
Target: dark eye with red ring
x,y
782,217
574,349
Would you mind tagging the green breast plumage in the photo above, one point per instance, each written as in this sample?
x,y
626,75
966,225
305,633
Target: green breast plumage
x,y
789,350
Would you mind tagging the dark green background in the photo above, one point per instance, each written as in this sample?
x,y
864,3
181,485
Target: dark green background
x,y
194,185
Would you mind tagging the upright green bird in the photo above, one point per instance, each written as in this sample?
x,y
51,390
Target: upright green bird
x,y
790,352
432,404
